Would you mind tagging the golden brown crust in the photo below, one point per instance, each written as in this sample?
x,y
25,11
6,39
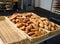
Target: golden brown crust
x,y
32,24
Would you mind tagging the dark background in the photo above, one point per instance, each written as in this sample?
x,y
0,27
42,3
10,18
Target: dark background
x,y
54,40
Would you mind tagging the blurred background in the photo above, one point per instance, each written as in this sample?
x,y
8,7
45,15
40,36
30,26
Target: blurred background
x,y
50,5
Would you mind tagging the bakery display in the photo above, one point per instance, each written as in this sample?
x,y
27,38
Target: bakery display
x,y
32,24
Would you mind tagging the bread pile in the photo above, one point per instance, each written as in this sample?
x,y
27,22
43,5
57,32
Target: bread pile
x,y
32,24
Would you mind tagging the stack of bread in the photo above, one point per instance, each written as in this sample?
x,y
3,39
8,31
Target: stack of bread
x,y
32,24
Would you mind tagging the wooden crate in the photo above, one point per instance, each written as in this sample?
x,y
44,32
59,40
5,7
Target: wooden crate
x,y
42,37
35,39
10,34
